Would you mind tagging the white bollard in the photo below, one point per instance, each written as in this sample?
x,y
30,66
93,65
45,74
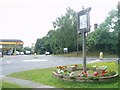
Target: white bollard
x,y
101,55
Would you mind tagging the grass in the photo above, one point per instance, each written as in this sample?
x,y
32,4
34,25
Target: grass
x,y
89,54
45,76
0,83
6,84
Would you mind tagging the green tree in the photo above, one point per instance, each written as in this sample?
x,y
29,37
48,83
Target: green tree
x,y
39,49
63,35
105,37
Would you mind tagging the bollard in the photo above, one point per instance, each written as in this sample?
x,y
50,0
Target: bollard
x,y
118,60
35,55
101,55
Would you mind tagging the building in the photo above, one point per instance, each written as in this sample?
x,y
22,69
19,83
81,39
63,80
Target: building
x,y
9,46
95,26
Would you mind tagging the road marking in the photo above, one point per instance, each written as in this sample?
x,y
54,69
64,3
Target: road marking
x,y
60,60
35,60
94,61
8,62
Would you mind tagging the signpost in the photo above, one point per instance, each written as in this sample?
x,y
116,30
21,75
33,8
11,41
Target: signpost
x,y
65,50
83,28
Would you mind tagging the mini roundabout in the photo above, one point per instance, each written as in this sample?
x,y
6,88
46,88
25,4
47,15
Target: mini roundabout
x,y
93,74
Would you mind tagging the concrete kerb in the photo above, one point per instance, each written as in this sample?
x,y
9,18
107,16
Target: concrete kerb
x,y
25,83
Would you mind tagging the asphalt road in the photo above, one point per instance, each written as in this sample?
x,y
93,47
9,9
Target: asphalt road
x,y
11,64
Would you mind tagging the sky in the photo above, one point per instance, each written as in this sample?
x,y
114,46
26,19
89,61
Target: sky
x,y
31,19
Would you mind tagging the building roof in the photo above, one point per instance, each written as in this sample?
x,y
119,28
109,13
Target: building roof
x,y
10,40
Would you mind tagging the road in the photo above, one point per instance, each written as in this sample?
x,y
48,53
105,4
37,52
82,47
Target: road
x,y
11,64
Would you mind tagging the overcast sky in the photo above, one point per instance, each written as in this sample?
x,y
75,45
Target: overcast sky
x,y
31,19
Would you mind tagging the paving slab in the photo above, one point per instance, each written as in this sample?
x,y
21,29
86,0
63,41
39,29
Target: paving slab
x,y
26,83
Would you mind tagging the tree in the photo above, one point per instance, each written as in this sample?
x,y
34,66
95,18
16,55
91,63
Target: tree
x,y
118,26
63,35
39,49
105,37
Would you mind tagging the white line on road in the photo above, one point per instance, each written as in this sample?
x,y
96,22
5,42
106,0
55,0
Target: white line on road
x,y
8,62
35,60
94,61
60,60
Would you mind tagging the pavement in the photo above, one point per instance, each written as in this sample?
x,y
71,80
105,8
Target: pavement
x,y
25,83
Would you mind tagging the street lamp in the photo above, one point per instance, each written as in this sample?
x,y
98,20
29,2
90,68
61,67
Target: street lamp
x,y
83,28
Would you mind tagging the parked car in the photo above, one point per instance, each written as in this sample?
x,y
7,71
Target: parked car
x,y
47,53
17,53
21,53
28,52
9,52
1,55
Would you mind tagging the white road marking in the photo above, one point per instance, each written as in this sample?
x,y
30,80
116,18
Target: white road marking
x,y
8,62
94,61
35,60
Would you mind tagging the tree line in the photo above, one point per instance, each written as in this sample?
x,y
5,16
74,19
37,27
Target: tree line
x,y
64,35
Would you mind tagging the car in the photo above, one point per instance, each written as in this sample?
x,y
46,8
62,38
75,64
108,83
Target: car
x,y
47,53
21,53
9,52
28,52
1,55
17,53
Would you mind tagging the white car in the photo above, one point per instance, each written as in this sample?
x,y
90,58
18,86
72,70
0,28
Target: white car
x,y
28,52
21,53
0,54
47,53
17,53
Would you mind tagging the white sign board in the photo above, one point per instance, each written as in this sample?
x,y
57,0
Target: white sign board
x,y
83,21
65,49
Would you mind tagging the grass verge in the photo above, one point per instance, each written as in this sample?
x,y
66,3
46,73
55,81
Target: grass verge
x,y
89,54
6,84
45,76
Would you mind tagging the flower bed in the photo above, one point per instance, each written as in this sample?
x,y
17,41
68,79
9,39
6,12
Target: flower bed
x,y
77,74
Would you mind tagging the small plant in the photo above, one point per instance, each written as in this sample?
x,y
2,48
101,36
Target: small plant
x,y
84,74
103,72
95,78
73,77
110,73
95,73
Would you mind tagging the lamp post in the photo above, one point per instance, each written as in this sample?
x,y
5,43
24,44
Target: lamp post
x,y
83,28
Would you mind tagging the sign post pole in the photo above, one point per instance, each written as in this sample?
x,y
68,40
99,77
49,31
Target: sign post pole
x,y
84,52
84,27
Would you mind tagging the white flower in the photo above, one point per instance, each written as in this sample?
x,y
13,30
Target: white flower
x,y
60,71
71,74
